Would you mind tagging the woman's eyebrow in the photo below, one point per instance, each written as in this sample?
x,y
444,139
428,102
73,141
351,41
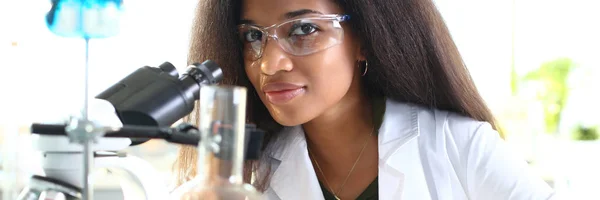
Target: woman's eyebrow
x,y
300,12
247,21
287,15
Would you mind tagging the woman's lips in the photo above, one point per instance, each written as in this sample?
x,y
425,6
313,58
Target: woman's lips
x,y
279,93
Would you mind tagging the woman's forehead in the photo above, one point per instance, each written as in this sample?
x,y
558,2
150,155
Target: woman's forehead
x,y
267,12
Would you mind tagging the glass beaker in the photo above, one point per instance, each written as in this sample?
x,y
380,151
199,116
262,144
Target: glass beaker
x,y
221,150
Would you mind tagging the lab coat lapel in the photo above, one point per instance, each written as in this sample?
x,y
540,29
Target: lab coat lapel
x,y
294,177
400,170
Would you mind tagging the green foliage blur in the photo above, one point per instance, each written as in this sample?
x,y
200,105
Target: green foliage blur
x,y
585,133
555,90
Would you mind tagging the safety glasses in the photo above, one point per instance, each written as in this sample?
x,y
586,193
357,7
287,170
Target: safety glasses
x,y
301,36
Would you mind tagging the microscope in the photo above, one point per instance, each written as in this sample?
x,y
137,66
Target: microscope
x,y
144,105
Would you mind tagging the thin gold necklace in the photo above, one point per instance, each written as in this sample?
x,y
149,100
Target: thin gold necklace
x,y
349,173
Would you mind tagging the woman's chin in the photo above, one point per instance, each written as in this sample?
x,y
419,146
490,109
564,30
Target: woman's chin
x,y
289,118
287,123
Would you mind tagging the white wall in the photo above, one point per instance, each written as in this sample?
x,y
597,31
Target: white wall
x,y
482,30
46,71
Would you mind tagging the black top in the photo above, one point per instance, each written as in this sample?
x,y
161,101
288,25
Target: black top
x,y
372,191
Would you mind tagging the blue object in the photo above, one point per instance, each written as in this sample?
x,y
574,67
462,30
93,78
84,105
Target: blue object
x,y
84,18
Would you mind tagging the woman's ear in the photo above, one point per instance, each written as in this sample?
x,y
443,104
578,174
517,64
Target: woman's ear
x,y
360,53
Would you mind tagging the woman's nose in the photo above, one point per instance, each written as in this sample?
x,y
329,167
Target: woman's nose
x,y
274,59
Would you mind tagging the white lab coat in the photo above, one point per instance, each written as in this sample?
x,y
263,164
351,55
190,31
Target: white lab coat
x,y
423,154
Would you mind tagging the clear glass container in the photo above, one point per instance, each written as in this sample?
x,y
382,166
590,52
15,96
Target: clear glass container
x,y
222,147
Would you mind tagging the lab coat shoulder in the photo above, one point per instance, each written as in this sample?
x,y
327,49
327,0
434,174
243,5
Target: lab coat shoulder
x,y
476,155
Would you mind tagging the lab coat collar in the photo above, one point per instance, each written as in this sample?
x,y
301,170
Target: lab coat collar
x,y
399,159
400,125
294,177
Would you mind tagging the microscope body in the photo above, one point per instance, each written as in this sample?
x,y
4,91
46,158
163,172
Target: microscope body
x,y
150,97
63,171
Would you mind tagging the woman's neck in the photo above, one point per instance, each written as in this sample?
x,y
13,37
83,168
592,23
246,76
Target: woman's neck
x,y
339,134
343,147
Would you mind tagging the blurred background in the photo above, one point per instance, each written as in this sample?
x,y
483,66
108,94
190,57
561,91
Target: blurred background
x,y
536,63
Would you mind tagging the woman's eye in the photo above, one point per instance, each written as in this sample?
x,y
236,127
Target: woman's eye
x,y
253,35
303,29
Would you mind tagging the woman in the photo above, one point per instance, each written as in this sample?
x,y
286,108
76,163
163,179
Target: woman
x,y
362,99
